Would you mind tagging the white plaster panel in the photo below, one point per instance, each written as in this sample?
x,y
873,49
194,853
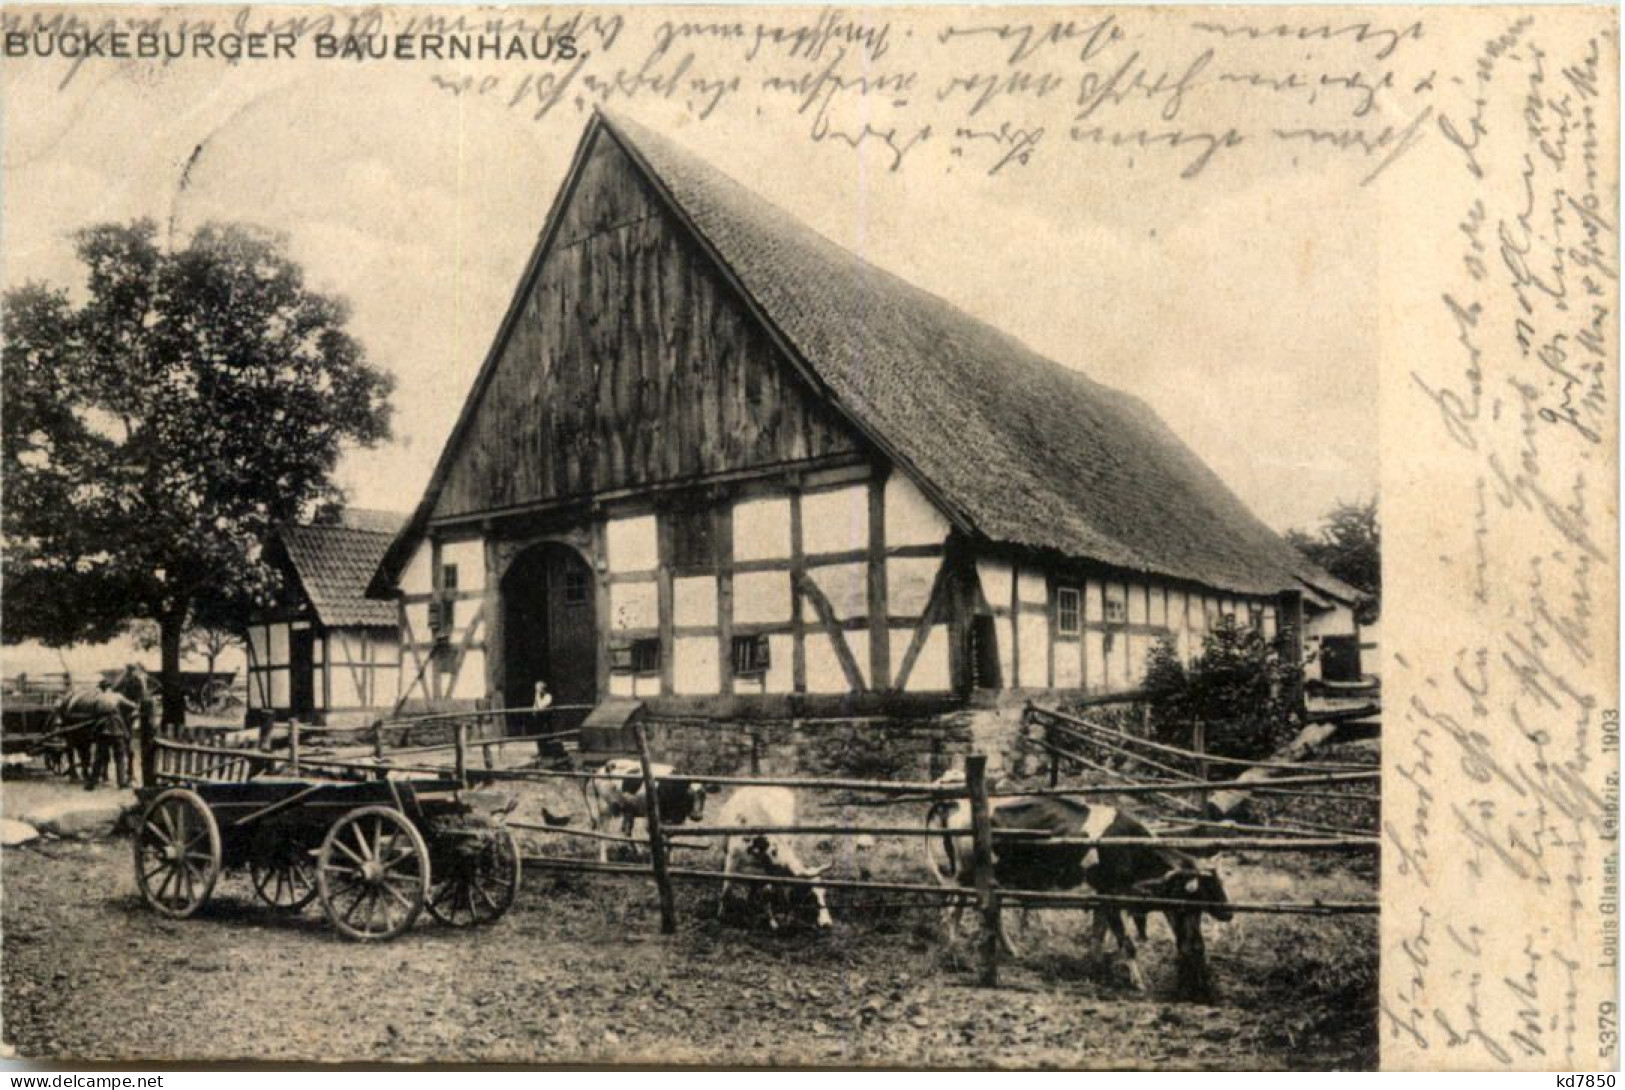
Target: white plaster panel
x,y
846,586
620,685
469,556
1093,602
279,689
1032,588
694,601
1271,625
995,577
931,673
343,685
471,678
1094,661
418,575
908,584
1159,605
634,605
761,597
1136,603
824,673
279,645
695,668
835,521
762,529
911,519
1068,664
1138,648
633,544
781,668
1005,630
417,616
258,645
1033,632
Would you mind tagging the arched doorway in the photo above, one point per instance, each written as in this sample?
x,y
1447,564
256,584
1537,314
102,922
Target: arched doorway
x,y
549,630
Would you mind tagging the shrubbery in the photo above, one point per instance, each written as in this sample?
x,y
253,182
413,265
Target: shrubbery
x,y
1242,689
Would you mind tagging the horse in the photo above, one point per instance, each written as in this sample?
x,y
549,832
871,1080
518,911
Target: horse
x,y
94,725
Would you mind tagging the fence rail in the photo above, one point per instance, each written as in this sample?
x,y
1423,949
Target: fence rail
x,y
984,892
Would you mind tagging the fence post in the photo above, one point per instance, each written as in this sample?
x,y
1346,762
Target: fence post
x,y
1199,744
293,744
657,838
461,757
982,823
1054,757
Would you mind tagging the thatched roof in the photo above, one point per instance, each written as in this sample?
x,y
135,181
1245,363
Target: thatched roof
x,y
1016,449
1024,450
334,561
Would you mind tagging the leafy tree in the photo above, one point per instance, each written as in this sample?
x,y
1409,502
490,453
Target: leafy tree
x,y
1242,688
209,633
1348,544
156,433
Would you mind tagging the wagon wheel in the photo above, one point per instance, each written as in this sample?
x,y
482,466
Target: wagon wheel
x,y
480,880
284,876
177,853
373,873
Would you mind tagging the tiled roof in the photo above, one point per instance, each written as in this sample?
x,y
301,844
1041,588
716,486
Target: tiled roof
x,y
335,561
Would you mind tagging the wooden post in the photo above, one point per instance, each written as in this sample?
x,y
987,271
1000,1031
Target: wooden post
x,y
657,838
293,744
1054,757
1199,744
982,823
378,741
462,751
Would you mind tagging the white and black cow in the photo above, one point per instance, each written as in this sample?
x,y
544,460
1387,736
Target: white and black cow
x,y
766,853
1123,870
616,791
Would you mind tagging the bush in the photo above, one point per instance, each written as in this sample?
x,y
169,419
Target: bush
x,y
1241,688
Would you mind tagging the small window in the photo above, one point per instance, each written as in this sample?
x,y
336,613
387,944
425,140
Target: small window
x,y
448,577
576,587
1067,603
752,655
646,656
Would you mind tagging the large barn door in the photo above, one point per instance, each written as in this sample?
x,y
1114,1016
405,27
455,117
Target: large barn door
x,y
549,629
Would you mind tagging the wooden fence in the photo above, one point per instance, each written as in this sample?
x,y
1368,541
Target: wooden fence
x,y
181,760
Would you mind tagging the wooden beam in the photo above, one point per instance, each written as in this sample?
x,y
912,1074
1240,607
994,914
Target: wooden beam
x,y
879,629
832,627
798,628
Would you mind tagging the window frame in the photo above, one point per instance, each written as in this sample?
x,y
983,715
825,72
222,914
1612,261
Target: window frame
x,y
1062,594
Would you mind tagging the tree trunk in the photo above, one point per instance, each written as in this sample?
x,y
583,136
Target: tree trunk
x,y
170,629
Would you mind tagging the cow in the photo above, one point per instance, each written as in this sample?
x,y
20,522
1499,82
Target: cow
x,y
772,854
616,791
1119,870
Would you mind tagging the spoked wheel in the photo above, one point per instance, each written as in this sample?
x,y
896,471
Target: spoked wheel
x,y
284,876
373,873
177,853
477,881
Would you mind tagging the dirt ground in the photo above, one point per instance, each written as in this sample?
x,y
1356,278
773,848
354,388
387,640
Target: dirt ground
x,y
578,973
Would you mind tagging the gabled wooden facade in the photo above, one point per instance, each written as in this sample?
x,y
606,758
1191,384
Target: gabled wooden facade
x,y
682,476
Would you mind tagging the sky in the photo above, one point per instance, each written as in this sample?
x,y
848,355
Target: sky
x,y
1239,306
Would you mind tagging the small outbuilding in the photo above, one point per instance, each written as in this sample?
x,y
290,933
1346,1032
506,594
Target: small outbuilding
x,y
326,653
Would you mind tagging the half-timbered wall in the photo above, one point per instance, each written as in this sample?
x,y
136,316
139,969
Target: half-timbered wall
x,y
830,588
352,671
1064,630
443,625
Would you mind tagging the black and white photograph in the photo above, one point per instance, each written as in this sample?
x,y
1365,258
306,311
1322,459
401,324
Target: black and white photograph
x,y
884,537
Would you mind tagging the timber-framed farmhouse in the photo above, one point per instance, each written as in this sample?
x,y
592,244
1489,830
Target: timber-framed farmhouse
x,y
719,463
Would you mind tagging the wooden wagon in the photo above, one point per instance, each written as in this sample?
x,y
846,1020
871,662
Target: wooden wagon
x,y
375,852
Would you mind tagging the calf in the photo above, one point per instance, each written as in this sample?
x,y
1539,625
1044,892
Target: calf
x,y
617,791
1121,870
770,853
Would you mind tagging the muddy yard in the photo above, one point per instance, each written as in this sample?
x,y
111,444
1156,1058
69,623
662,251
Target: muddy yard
x,y
578,973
